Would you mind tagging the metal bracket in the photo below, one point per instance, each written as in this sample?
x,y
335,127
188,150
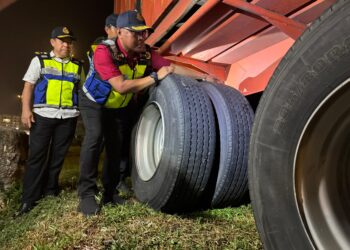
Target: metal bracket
x,y
288,26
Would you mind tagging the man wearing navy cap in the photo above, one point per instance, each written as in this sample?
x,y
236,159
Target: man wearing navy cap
x,y
121,69
51,84
62,33
111,31
111,20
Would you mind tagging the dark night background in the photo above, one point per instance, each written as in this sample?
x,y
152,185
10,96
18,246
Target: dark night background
x,y
25,27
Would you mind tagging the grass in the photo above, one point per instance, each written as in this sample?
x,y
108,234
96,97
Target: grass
x,y
55,224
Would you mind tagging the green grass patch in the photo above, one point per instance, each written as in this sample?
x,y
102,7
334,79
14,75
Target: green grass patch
x,y
55,224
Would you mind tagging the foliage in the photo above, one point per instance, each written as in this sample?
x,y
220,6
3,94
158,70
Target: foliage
x,y
55,224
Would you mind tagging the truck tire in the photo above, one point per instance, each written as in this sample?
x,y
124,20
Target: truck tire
x,y
300,152
235,118
174,146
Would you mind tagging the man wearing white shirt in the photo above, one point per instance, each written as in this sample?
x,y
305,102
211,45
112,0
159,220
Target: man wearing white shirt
x,y
49,110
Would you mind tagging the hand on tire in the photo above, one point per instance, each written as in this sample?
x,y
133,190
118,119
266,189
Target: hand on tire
x,y
164,71
213,79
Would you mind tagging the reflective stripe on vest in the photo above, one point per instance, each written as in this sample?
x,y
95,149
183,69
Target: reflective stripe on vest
x,y
116,99
58,84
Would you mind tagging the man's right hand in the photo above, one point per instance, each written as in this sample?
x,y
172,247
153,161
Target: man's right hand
x,y
27,118
164,71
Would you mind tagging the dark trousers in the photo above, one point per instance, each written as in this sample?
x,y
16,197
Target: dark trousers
x,y
112,125
49,142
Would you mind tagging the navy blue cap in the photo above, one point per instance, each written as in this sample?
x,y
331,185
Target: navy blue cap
x,y
62,32
132,20
111,20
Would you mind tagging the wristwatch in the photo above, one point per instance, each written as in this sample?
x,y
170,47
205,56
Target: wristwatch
x,y
154,75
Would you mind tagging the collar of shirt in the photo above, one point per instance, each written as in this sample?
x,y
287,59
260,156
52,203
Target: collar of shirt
x,y
57,59
122,48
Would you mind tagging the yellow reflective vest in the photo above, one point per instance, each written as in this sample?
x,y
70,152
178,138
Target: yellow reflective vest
x,y
102,92
58,83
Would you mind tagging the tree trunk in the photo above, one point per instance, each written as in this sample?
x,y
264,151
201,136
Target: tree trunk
x,y
13,155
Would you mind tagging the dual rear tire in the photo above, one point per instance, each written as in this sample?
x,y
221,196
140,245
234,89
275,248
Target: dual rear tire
x,y
190,146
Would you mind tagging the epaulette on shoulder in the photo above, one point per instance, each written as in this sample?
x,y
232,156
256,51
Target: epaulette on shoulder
x,y
42,54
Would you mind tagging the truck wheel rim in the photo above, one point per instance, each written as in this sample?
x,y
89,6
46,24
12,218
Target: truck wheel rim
x,y
322,172
149,141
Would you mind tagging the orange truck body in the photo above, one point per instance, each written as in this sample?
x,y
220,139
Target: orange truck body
x,y
239,42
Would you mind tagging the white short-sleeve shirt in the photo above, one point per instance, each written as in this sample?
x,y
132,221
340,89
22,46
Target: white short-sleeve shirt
x,y
32,76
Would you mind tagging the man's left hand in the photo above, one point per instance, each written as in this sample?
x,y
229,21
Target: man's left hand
x,y
209,78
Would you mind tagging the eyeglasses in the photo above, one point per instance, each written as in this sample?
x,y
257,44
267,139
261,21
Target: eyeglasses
x,y
143,34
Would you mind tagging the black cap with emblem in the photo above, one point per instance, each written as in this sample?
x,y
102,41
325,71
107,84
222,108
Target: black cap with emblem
x,y
132,20
62,32
111,20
